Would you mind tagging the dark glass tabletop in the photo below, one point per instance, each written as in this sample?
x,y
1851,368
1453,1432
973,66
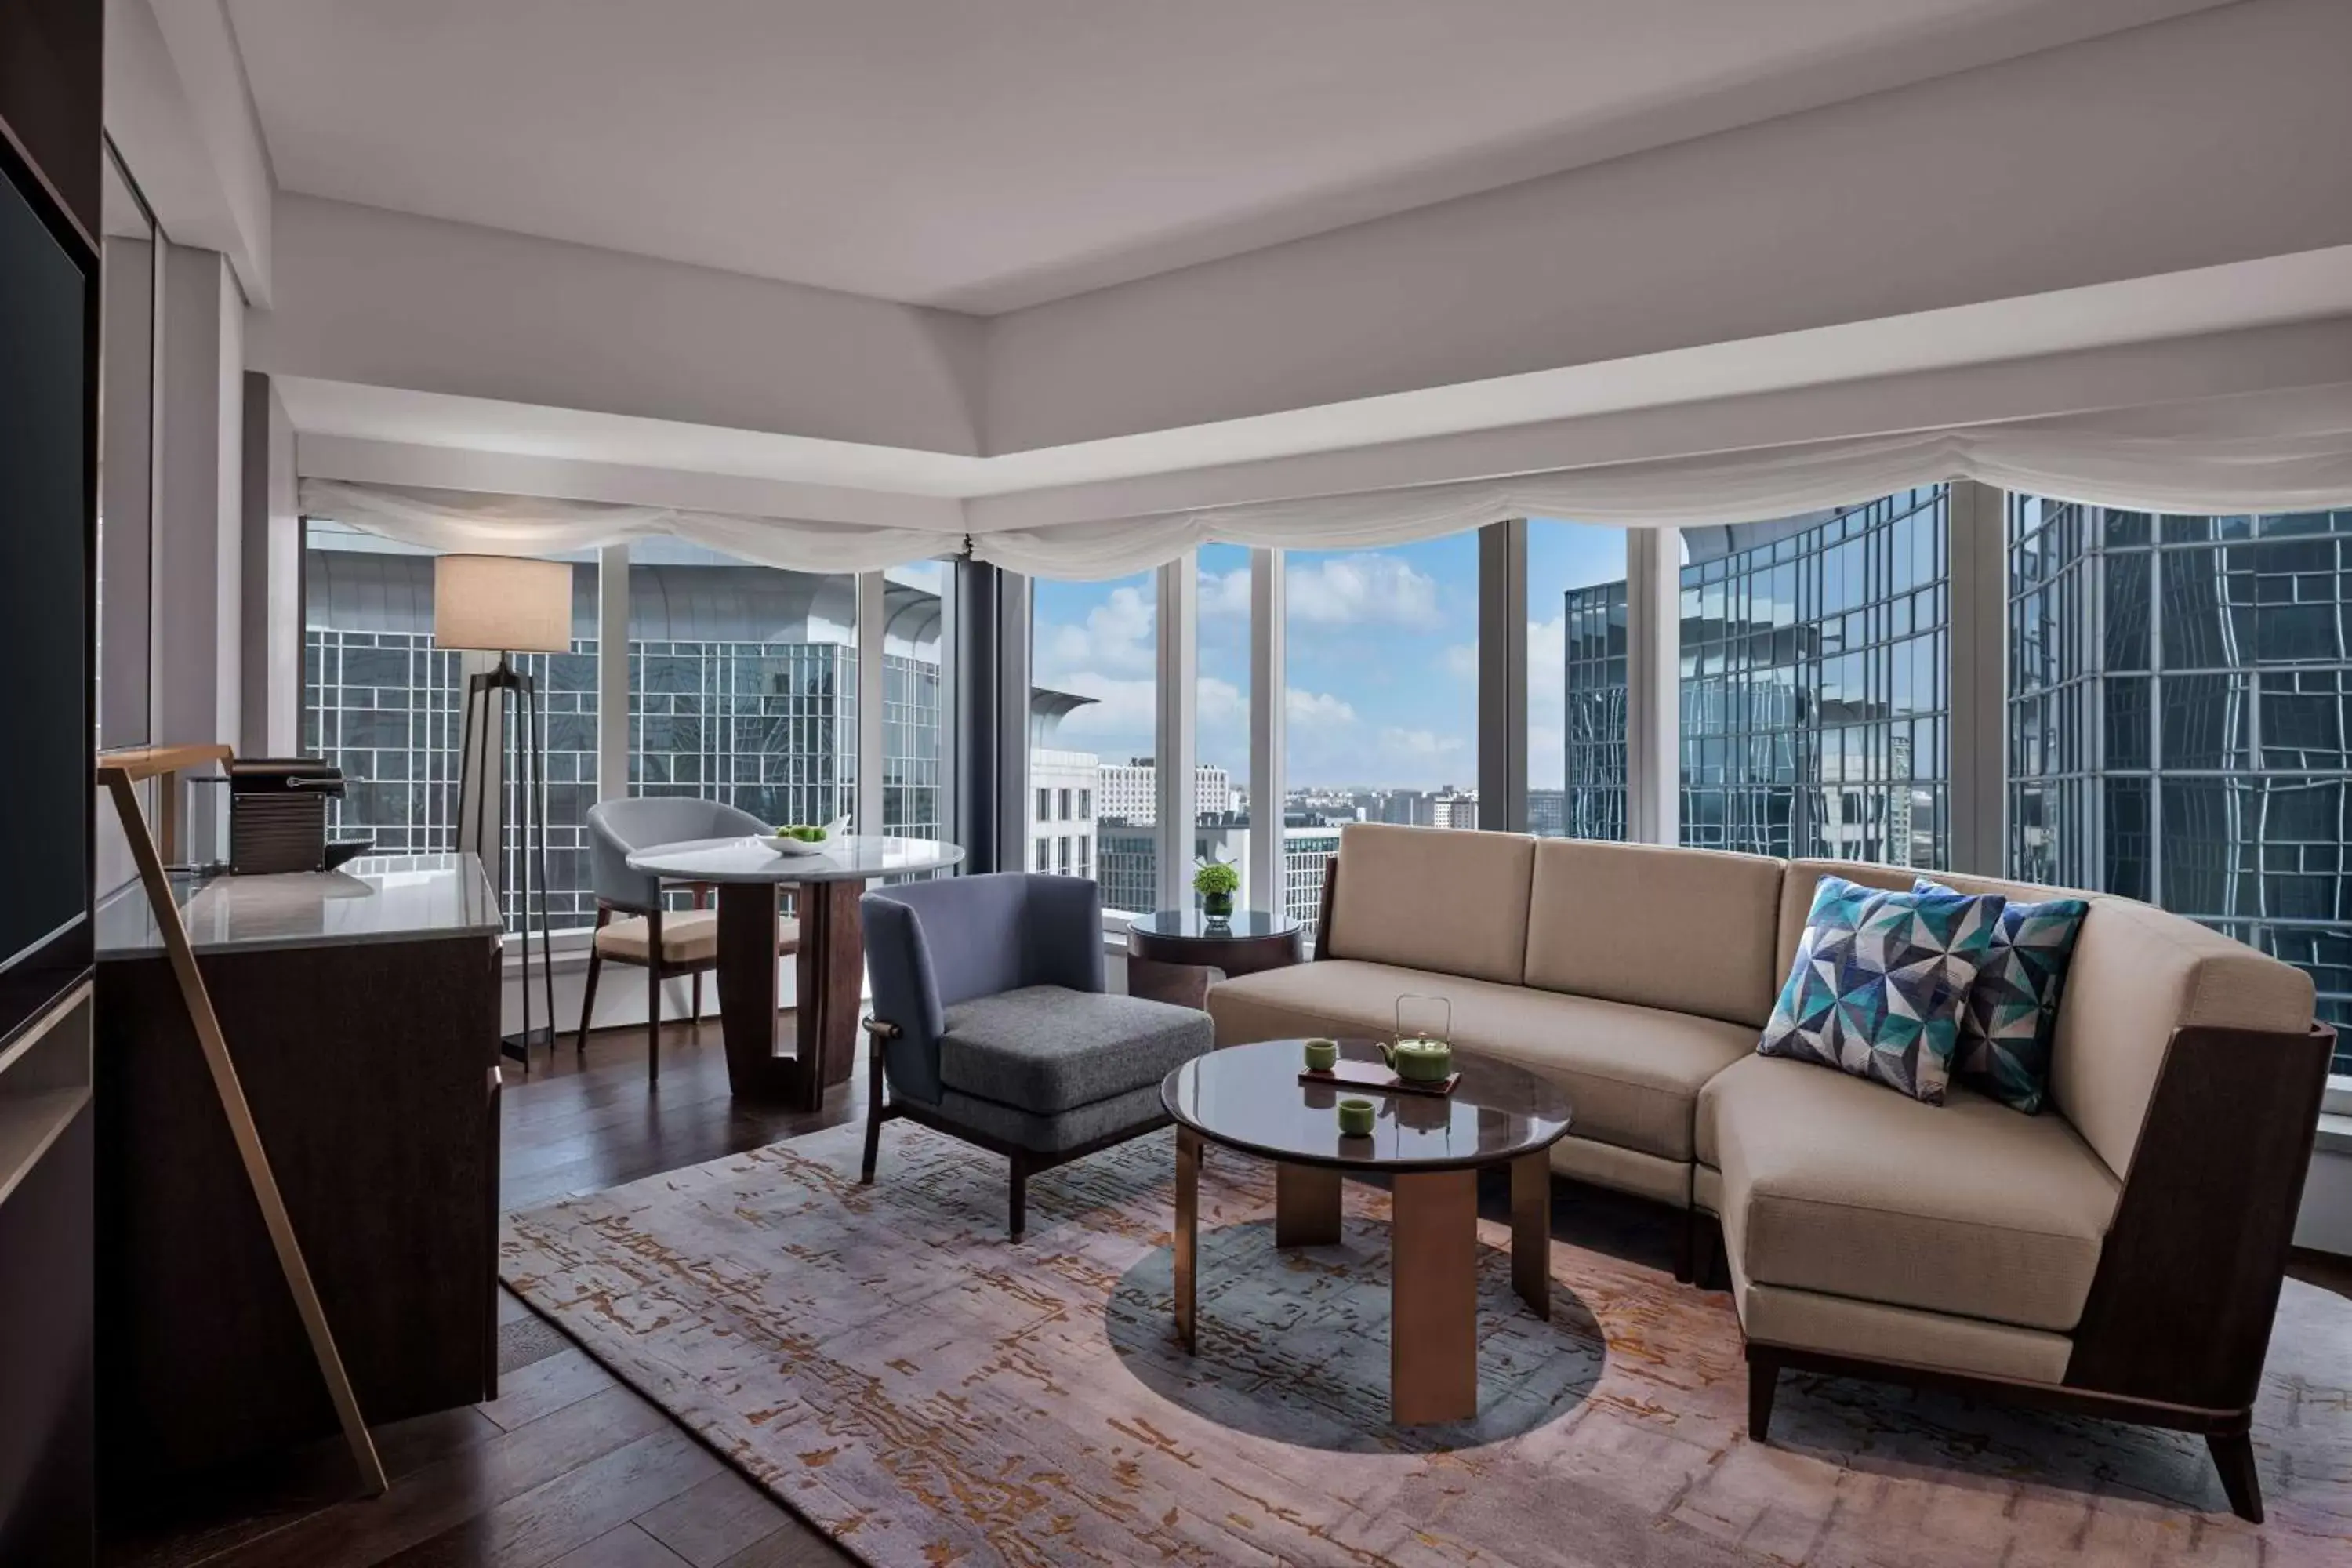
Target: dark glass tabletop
x,y
1249,1098
1182,923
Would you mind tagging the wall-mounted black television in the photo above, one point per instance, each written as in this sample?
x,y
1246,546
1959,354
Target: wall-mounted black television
x,y
46,732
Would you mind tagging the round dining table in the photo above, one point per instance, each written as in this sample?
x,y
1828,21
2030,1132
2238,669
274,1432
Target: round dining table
x,y
829,966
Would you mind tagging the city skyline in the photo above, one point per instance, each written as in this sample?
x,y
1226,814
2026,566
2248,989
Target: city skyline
x,y
1382,655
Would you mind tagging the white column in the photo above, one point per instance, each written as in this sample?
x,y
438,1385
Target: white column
x,y
1269,730
1176,743
1502,700
613,672
1653,680
199,523
1977,565
872,620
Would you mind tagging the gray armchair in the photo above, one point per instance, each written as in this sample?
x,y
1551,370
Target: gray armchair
x,y
991,1023
665,943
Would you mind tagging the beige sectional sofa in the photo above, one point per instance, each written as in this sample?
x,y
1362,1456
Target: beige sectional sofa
x,y
2119,1252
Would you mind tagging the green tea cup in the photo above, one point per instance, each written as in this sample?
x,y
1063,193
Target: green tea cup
x,y
1322,1055
1355,1118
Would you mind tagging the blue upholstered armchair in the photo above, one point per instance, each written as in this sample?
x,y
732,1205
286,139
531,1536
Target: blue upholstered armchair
x,y
991,1023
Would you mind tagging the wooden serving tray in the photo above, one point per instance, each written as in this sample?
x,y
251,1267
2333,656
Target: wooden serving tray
x,y
1378,1077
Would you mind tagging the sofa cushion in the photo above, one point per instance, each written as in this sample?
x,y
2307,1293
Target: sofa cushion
x,y
1831,1184
2012,1009
1879,982
1046,1049
1434,899
1631,1074
1687,930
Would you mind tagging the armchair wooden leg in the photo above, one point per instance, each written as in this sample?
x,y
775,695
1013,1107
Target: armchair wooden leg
x,y
696,1014
653,1026
588,998
1020,1195
2233,1455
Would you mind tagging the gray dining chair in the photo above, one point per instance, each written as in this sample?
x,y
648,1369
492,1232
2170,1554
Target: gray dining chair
x,y
990,1024
633,928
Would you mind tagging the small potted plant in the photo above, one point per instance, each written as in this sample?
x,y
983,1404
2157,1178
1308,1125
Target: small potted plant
x,y
1216,882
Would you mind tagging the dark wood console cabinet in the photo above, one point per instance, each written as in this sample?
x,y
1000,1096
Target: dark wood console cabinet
x,y
372,1067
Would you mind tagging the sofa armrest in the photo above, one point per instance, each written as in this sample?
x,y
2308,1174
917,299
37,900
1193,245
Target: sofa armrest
x,y
2181,1309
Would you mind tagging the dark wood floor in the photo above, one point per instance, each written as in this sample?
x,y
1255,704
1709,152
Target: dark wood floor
x,y
566,1469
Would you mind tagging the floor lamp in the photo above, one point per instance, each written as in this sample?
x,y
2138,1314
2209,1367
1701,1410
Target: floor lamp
x,y
506,604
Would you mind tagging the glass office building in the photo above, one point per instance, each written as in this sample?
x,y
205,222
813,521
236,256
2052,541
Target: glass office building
x,y
1593,804
1814,693
1814,697
2180,720
743,687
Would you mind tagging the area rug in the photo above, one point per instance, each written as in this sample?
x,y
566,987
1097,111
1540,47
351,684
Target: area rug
x,y
893,1369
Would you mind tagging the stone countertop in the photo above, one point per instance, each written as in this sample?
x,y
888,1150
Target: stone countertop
x,y
377,897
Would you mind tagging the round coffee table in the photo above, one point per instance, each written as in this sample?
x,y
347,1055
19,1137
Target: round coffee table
x,y
1431,1148
1170,953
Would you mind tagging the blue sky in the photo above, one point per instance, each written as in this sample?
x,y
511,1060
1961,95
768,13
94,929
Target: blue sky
x,y
1383,657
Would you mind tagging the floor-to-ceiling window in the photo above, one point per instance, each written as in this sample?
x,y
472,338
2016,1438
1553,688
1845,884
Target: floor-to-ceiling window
x,y
1576,680
1815,686
1380,697
1092,801
914,711
1229,826
742,683
2178,722
383,703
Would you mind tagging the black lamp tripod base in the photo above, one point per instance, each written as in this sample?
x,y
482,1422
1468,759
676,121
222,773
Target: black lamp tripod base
x,y
528,767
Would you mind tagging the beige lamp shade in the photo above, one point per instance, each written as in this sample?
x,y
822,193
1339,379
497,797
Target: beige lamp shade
x,y
503,603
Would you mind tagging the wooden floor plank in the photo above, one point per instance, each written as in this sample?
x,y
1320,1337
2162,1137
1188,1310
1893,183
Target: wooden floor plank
x,y
570,1509
627,1547
545,1386
794,1546
717,1519
465,1486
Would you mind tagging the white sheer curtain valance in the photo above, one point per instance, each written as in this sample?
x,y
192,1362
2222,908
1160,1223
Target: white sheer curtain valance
x,y
2269,453
471,523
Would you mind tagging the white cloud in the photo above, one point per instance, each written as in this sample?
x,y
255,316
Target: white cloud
x,y
1362,589
1548,664
1546,756
1420,742
1117,639
1125,711
1225,593
1316,710
1462,660
1219,703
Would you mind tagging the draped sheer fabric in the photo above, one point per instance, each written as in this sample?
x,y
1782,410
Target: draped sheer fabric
x,y
2268,453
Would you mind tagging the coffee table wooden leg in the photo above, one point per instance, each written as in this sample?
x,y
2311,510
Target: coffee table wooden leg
x,y
1306,1205
1188,1232
1532,1231
1433,1318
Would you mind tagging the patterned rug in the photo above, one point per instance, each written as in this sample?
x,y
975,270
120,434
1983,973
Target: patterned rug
x,y
889,1365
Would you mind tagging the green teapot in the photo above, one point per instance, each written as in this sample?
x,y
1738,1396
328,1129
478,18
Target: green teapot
x,y
1418,1059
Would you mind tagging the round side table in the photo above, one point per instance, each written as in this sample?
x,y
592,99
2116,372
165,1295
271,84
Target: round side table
x,y
1173,955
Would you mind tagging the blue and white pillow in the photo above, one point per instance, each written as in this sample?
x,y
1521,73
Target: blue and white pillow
x,y
2012,1009
1880,981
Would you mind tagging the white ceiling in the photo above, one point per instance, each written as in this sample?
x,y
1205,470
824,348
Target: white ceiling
x,y
986,156
2179,306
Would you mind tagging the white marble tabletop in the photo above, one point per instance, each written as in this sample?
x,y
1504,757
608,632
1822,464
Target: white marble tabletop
x,y
845,858
376,897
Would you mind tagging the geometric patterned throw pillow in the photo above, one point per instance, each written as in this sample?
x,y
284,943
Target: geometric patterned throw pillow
x,y
1880,981
2012,1009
